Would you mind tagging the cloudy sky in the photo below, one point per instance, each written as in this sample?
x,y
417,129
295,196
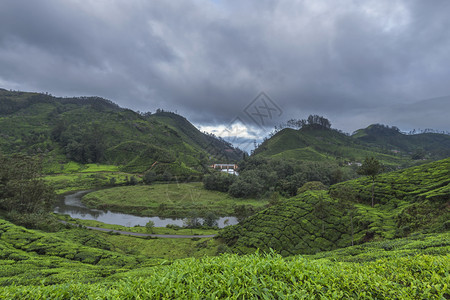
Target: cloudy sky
x,y
354,62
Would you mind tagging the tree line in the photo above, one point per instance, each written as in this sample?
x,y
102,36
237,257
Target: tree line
x,y
25,197
261,177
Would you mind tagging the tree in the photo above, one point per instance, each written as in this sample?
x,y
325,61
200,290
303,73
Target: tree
x,y
210,219
371,167
149,226
149,177
21,188
133,181
192,221
218,181
321,210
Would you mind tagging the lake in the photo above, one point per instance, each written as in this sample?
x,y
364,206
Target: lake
x,y
71,205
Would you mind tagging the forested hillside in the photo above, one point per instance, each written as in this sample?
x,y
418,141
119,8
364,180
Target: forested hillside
x,y
95,130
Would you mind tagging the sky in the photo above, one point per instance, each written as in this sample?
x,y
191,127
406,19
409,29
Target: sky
x,y
238,67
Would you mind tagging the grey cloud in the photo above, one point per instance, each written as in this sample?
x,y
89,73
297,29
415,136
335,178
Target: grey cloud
x,y
348,61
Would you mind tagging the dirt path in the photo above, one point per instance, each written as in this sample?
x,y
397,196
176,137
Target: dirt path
x,y
166,236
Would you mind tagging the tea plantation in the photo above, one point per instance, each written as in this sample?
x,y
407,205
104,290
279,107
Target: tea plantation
x,y
36,265
410,200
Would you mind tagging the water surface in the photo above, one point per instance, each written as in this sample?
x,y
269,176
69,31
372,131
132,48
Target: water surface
x,y
71,205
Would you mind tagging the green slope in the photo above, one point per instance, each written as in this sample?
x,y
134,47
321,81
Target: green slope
x,y
389,146
408,201
197,139
95,130
32,257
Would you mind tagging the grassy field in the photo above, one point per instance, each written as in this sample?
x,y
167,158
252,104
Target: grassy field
x,y
167,200
67,182
52,166
72,176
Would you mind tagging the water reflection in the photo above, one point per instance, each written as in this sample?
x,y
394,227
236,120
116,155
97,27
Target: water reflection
x,y
71,205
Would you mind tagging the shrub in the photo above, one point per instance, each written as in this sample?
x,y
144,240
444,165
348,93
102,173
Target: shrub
x,y
312,186
218,181
149,226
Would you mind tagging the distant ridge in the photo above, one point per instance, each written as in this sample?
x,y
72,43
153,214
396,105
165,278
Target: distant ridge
x,y
388,144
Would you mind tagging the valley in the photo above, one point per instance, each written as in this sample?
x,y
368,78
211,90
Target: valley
x,y
297,222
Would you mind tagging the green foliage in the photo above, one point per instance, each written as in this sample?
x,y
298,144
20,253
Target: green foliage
x,y
170,229
259,176
133,180
192,220
24,196
35,258
36,220
266,276
429,244
248,185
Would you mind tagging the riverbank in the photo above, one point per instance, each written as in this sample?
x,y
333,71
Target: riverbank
x,y
141,230
166,236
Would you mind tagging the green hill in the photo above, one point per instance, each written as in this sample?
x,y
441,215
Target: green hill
x,y
95,130
408,201
316,143
390,138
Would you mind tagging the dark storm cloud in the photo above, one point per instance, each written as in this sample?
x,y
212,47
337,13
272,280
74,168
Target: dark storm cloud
x,y
355,62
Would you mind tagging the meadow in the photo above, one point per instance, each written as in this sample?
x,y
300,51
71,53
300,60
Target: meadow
x,y
168,200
